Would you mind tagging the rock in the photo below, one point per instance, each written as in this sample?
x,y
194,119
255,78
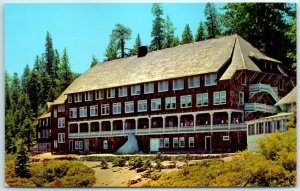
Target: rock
x,y
146,174
134,180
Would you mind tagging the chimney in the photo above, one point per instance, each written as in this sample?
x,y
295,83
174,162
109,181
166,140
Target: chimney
x,y
142,51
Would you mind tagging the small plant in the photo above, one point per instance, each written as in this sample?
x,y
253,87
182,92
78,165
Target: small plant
x,y
158,157
147,164
174,160
135,162
158,166
103,163
118,161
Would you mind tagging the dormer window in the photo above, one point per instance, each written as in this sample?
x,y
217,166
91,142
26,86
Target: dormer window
x,y
163,86
178,84
122,91
135,89
111,93
211,79
88,96
78,97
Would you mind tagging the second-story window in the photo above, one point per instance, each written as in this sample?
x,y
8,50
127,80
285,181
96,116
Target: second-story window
x,y
186,101
178,84
88,96
61,122
142,105
163,86
156,104
170,102
73,113
220,97
122,91
117,108
111,93
129,107
241,96
61,108
135,89
78,97
194,82
70,99
149,88
94,110
211,79
105,109
83,112
202,99
99,94
55,113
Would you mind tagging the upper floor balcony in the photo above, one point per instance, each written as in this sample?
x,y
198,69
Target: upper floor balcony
x,y
253,107
255,88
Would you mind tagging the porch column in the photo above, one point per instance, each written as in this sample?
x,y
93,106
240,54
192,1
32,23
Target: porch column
x,y
164,121
89,127
100,127
123,126
78,128
178,121
229,119
136,125
211,120
149,124
195,116
255,126
264,127
111,127
273,127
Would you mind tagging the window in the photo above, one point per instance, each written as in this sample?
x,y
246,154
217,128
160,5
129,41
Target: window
x,y
210,79
243,79
39,123
105,109
223,97
94,110
39,135
191,142
161,143
61,108
78,97
181,142
186,101
88,96
55,144
80,144
73,112
135,89
170,102
226,138
43,122
163,86
175,142
76,145
129,107
117,108
43,133
216,97
202,99
241,96
99,94
178,84
105,144
47,122
194,82
61,122
83,112
61,137
166,143
122,91
55,113
70,99
156,104
281,84
149,88
46,134
111,93
142,105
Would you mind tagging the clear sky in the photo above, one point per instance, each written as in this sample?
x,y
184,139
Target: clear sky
x,y
84,29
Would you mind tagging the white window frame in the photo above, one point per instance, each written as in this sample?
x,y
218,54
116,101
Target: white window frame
x,y
142,105
202,99
55,113
171,101
178,84
129,107
241,101
61,122
76,145
106,109
163,86
223,97
194,82
181,140
73,113
183,101
93,110
61,137
156,104
80,144
88,96
111,93
105,144
191,142
226,138
175,140
117,108
47,122
166,142
211,79
149,88
83,111
123,91
161,143
55,144
78,97
70,99
39,135
61,108
99,94
136,89
216,98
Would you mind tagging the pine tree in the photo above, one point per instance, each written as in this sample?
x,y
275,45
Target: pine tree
x,y
65,71
157,28
50,56
94,61
187,36
35,91
7,91
25,78
175,42
21,168
119,35
212,21
137,44
169,30
200,33
15,88
111,51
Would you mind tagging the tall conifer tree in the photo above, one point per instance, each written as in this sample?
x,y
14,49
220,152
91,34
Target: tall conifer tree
x,y
157,33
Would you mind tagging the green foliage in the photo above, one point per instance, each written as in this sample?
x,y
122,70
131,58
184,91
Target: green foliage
x,y
103,163
212,21
21,168
147,164
201,34
118,161
187,36
158,165
94,61
111,51
157,33
137,44
65,73
119,36
169,31
135,162
175,42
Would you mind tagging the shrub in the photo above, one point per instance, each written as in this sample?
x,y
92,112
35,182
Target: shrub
x,y
119,161
103,163
135,162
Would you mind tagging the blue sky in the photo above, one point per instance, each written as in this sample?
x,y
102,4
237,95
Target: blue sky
x,y
84,29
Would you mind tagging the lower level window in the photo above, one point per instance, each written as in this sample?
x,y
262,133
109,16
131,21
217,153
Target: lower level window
x,y
61,137
191,141
105,109
181,142
161,143
166,142
76,145
80,144
175,142
105,144
55,144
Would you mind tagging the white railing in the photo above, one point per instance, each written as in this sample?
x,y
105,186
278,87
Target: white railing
x,y
273,91
259,107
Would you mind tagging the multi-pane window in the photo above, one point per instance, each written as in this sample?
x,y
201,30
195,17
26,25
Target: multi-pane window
x,y
175,142
166,143
105,109
55,113
216,97
163,86
105,144
202,99
80,144
78,97
161,143
211,79
186,101
111,93
181,142
39,135
241,96
83,112
142,105
149,88
99,94
70,99
61,122
170,102
55,144
76,145
94,110
156,104
122,91
117,108
88,96
220,97
73,112
129,107
178,84
191,142
61,108
61,138
194,82
135,89
47,122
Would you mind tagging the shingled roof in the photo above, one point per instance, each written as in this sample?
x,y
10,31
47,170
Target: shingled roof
x,y
289,98
185,60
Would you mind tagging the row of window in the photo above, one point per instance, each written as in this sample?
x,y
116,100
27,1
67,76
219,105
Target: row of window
x,y
177,142
44,122
163,86
44,134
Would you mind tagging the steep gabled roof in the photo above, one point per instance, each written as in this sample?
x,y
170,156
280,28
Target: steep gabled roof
x,y
289,98
45,115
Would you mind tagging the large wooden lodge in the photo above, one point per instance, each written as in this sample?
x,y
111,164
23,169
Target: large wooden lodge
x,y
193,98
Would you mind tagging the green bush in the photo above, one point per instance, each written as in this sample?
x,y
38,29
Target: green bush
x,y
135,162
119,161
103,163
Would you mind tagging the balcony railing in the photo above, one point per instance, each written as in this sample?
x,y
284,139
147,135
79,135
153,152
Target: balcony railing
x,y
260,107
273,91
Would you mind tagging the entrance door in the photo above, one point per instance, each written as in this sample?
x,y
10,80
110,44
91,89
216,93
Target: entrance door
x,y
71,148
208,144
154,144
86,145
